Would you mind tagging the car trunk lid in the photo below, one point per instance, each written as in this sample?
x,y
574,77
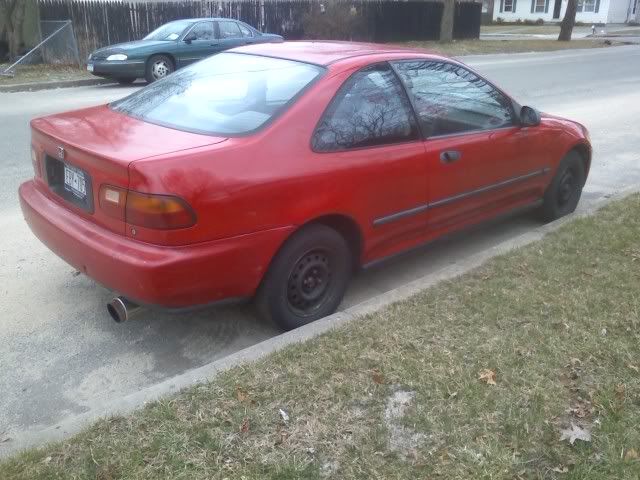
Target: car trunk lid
x,y
82,150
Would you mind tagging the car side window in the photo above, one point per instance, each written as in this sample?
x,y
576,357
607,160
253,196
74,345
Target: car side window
x,y
229,30
203,31
450,99
246,32
370,109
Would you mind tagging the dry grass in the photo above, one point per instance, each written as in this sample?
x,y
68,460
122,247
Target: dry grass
x,y
556,322
481,47
43,73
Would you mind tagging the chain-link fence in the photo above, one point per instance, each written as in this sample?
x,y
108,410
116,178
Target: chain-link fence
x,y
57,46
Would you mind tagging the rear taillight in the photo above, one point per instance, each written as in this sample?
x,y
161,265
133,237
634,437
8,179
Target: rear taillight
x,y
162,212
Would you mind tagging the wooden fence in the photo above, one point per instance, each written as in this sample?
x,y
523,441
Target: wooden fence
x,y
97,24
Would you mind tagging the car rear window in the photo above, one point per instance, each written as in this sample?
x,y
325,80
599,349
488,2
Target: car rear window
x,y
226,94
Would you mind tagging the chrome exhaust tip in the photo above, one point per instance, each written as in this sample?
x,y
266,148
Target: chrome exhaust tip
x,y
122,309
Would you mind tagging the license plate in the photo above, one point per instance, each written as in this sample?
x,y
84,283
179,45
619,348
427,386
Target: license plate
x,y
74,181
90,67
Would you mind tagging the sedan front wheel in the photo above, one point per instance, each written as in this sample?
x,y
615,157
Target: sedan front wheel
x,y
158,67
563,193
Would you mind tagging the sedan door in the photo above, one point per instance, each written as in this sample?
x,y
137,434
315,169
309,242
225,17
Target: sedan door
x,y
230,35
199,42
472,138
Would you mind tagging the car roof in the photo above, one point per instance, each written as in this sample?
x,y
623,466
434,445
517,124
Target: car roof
x,y
325,52
193,20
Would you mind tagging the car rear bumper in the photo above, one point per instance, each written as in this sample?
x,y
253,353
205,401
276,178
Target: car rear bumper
x,y
170,277
118,69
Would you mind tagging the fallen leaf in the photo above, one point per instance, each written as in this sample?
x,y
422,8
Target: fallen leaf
x,y
575,433
377,377
241,394
284,415
488,376
620,389
244,428
560,469
632,454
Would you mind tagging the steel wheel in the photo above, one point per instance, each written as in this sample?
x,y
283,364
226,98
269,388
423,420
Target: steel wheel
x,y
307,278
563,193
308,282
567,187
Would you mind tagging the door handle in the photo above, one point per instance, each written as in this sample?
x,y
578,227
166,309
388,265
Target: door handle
x,y
450,156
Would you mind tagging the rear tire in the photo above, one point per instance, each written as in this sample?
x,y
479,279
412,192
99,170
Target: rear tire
x,y
125,81
158,67
563,193
307,278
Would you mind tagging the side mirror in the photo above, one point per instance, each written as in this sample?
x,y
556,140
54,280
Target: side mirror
x,y
189,38
529,117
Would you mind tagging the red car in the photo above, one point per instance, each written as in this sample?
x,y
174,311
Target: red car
x,y
276,170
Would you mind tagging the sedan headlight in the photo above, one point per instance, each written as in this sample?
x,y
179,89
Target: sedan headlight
x,y
116,56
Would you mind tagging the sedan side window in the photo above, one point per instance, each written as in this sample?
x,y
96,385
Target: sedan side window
x,y
229,30
246,32
370,109
202,31
450,99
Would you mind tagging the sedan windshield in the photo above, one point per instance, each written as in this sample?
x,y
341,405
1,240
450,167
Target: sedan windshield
x,y
226,94
169,31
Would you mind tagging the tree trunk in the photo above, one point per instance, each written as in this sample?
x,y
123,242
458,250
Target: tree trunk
x,y
446,23
14,14
566,27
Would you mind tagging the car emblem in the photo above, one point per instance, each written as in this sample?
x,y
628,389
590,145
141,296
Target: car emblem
x,y
61,153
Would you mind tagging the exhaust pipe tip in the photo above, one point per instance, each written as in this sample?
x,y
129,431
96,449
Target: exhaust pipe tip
x,y
120,309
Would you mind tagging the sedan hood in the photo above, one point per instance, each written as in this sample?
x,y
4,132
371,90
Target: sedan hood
x,y
103,132
126,47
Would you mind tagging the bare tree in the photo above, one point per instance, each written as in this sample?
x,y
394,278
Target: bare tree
x,y
566,27
446,22
13,13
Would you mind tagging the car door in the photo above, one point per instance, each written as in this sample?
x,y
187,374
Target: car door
x,y
230,35
197,43
248,36
472,141
369,134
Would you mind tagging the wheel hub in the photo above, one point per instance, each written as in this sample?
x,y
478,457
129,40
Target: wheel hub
x,y
160,70
309,281
566,188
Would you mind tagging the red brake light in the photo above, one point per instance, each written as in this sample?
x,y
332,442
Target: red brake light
x,y
162,212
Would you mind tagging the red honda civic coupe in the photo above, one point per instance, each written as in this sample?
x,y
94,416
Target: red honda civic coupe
x,y
274,171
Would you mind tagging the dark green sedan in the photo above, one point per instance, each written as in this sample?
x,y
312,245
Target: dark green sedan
x,y
172,46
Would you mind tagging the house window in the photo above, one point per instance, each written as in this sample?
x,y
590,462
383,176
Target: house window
x,y
540,6
586,6
508,5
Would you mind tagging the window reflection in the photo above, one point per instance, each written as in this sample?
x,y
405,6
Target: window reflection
x,y
370,109
226,94
451,99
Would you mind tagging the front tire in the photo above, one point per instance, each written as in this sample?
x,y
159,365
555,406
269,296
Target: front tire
x,y
563,193
158,67
307,279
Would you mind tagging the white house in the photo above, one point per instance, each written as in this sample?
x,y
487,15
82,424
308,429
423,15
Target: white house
x,y
588,11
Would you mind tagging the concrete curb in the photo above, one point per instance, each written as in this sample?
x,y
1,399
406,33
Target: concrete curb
x,y
70,425
32,87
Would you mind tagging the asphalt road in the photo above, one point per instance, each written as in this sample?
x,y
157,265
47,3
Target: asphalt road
x,y
59,351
